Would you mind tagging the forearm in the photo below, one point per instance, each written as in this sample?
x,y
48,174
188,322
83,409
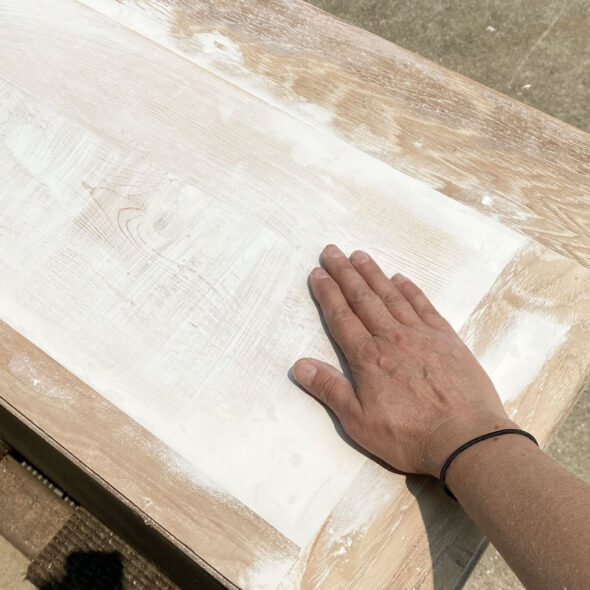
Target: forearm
x,y
536,513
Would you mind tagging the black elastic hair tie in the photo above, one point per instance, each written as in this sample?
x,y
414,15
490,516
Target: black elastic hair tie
x,y
443,471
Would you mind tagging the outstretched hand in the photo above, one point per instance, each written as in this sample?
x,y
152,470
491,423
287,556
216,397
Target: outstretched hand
x,y
418,392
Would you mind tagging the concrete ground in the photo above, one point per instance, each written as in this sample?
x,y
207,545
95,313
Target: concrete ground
x,y
13,567
537,51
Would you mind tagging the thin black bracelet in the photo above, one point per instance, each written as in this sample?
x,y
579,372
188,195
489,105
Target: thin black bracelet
x,y
443,471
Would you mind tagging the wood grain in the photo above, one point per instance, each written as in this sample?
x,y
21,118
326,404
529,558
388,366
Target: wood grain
x,y
170,172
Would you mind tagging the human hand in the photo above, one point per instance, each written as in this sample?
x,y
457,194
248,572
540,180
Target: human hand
x,y
418,393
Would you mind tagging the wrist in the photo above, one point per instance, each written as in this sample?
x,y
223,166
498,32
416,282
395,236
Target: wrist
x,y
450,435
493,456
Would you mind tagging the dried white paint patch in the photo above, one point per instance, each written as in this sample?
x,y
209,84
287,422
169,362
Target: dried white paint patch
x,y
24,369
179,294
261,576
215,44
514,360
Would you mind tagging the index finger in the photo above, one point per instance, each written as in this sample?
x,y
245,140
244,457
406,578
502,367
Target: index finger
x,y
344,325
361,298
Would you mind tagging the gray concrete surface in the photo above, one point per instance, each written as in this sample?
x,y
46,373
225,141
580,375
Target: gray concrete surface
x,y
13,567
537,51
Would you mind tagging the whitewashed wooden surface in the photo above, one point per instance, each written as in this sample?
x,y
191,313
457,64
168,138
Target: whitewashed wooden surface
x,y
159,213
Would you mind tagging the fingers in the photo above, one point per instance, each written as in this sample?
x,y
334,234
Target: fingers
x,y
420,303
344,325
365,303
329,385
396,303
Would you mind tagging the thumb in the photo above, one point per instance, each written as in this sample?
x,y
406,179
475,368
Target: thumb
x,y
328,385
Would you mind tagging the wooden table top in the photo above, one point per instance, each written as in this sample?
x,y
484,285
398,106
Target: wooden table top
x,y
170,173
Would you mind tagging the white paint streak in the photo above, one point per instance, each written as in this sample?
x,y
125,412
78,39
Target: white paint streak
x,y
515,360
23,368
218,46
261,576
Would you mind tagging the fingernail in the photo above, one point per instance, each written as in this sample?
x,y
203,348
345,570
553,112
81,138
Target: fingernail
x,y
359,257
304,372
319,273
333,251
399,278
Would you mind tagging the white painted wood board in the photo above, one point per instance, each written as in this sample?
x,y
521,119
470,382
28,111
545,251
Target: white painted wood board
x,y
159,213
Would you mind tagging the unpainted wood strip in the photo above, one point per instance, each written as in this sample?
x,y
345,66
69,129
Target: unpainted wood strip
x,y
393,532
471,143
539,282
203,521
389,531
